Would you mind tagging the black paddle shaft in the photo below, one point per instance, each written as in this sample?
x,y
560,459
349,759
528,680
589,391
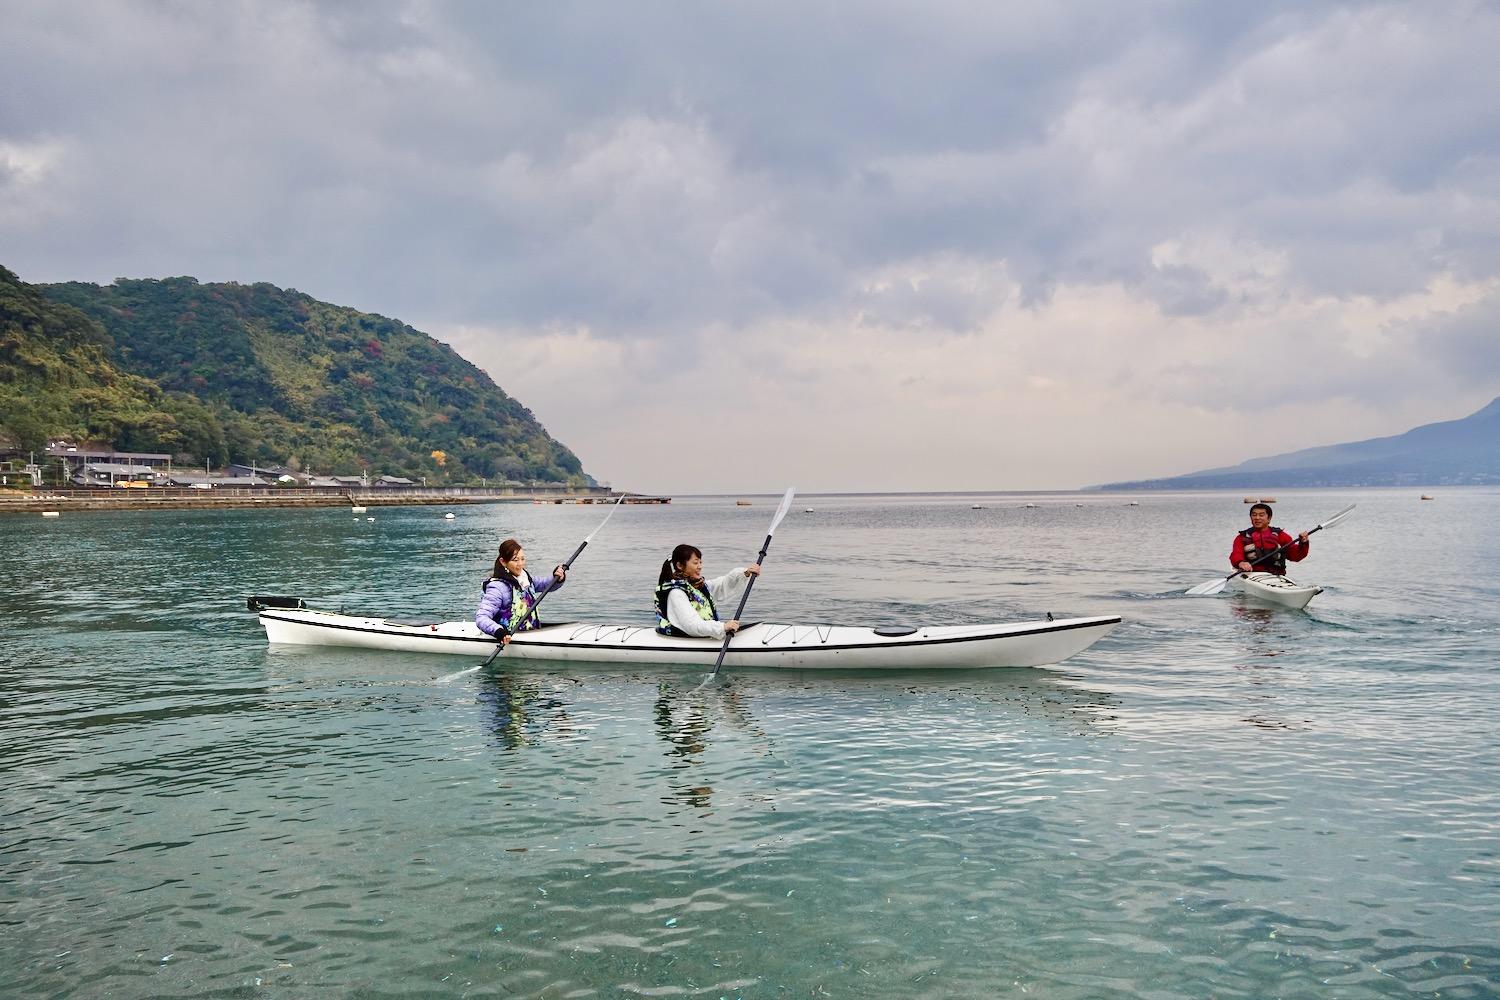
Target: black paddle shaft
x,y
744,598
567,565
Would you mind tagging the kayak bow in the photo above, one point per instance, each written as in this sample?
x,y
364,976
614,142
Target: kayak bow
x,y
1269,588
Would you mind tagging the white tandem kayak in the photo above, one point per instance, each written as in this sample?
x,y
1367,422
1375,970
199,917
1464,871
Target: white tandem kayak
x,y
1268,588
763,644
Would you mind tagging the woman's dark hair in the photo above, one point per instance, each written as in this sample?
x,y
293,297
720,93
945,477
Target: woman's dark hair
x,y
673,566
1261,506
508,550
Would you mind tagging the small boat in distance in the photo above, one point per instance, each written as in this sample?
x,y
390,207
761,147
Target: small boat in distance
x,y
1426,496
742,503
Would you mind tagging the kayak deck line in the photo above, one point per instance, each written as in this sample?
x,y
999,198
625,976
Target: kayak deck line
x,y
601,632
774,644
989,631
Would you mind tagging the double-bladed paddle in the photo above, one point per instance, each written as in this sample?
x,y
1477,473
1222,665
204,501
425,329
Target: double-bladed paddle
x,y
1215,586
500,647
786,504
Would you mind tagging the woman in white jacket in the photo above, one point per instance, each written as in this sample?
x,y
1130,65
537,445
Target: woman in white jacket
x,y
685,600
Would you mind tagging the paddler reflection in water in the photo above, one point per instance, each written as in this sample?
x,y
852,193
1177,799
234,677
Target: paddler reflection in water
x,y
685,601
510,594
522,710
1253,546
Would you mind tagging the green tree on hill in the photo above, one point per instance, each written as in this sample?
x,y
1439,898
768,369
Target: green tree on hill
x,y
257,373
57,380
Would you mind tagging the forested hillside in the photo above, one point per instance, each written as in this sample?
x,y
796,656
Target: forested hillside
x,y
57,380
256,372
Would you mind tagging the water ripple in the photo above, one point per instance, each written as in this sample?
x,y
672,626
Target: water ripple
x,y
1218,799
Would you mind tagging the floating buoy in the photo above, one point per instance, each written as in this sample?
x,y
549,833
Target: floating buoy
x,y
449,517
53,513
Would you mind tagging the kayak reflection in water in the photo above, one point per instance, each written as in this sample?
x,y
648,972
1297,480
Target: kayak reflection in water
x,y
685,600
510,594
1253,547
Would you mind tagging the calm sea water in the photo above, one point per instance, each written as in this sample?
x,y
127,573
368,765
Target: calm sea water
x,y
1216,800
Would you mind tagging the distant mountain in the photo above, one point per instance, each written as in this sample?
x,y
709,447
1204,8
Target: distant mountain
x,y
1454,452
256,373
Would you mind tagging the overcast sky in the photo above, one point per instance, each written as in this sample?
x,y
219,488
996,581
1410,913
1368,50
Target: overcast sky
x,y
852,246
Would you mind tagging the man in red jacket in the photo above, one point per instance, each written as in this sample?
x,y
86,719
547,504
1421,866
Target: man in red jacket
x,y
1252,547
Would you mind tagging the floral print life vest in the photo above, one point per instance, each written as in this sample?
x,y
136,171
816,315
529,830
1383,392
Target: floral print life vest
x,y
701,602
522,600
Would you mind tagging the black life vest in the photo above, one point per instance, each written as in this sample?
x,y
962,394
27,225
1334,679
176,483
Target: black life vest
x,y
1275,564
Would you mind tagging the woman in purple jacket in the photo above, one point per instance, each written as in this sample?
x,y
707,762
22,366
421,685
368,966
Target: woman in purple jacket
x,y
510,594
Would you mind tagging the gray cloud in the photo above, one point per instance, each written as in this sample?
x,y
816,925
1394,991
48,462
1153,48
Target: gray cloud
x,y
651,171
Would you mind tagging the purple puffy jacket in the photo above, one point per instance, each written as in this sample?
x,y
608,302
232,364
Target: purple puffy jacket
x,y
495,605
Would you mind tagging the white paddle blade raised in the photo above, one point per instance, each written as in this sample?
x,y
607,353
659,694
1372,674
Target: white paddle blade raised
x,y
1335,519
786,505
612,508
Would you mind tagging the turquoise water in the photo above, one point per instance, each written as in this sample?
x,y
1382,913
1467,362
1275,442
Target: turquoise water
x,y
1216,800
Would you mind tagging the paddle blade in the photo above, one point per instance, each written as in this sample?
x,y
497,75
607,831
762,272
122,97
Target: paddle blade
x,y
612,508
786,505
1335,519
1207,589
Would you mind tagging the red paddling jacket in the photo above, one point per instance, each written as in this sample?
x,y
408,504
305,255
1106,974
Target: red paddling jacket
x,y
1250,545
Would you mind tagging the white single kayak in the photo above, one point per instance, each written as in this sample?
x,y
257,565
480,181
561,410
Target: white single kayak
x,y
763,644
1269,588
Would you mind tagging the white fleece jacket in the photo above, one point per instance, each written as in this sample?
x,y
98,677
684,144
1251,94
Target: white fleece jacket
x,y
682,616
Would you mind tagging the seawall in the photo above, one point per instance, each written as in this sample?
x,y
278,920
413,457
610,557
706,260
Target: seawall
x,y
226,498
